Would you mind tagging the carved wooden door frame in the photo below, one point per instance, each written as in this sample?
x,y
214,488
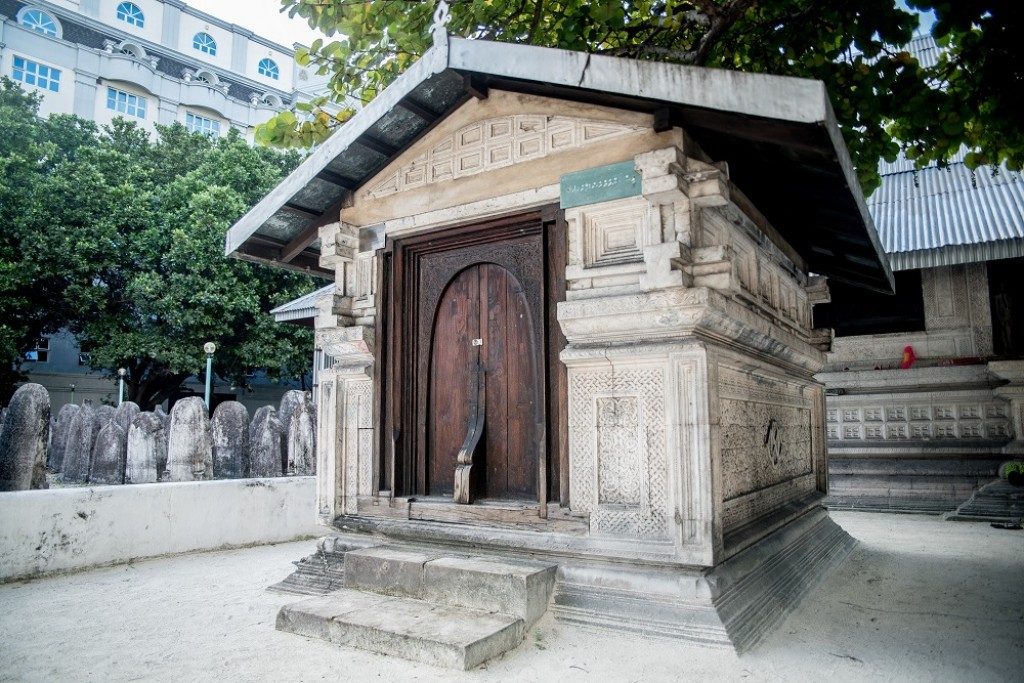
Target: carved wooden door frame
x,y
399,471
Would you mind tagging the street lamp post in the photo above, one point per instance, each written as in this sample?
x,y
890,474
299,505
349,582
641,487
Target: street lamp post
x,y
121,372
209,348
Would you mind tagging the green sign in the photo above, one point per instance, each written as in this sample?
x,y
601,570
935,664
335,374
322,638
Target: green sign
x,y
601,184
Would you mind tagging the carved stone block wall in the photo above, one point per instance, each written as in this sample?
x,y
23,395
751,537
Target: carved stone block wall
x,y
617,450
494,143
899,420
768,447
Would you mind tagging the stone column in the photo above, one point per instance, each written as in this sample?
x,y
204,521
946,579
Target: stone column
x,y
1013,372
693,413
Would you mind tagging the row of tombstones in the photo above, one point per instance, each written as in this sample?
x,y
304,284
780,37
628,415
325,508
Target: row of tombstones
x,y
104,445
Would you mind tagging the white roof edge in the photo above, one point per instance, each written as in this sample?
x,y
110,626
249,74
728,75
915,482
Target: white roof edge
x,y
787,98
433,61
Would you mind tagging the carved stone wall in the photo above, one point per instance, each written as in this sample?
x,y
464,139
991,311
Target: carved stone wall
x,y
494,143
769,452
617,450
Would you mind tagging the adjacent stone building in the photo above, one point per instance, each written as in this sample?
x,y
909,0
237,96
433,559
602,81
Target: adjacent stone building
x,y
925,437
572,324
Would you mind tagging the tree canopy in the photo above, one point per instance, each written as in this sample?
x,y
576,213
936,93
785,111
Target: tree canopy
x,y
120,237
883,97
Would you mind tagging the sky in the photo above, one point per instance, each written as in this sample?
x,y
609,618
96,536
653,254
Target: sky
x,y
262,17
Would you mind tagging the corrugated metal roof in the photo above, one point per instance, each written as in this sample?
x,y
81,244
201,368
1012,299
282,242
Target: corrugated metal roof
x,y
940,216
302,308
940,207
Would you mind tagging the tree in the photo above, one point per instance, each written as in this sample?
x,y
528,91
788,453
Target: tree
x,y
883,97
120,238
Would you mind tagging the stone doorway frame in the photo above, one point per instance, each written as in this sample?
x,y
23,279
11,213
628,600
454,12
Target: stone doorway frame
x,y
396,475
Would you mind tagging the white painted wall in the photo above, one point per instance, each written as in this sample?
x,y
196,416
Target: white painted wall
x,y
105,116
153,11
64,529
190,26
58,102
258,51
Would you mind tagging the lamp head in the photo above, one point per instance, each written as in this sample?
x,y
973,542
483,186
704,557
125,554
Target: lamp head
x,y
209,347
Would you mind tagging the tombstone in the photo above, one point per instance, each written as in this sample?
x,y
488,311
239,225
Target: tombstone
x,y
147,449
108,455
229,431
24,434
162,415
291,400
78,445
189,452
125,414
301,440
258,417
59,436
265,448
104,414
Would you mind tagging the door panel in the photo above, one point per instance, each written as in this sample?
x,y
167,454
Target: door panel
x,y
485,302
498,281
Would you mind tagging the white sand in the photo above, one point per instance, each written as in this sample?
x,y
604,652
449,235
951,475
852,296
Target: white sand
x,y
919,599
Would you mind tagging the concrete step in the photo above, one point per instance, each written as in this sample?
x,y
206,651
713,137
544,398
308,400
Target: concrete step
x,y
413,629
513,587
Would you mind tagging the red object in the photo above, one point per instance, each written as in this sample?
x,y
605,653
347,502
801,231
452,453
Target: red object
x,y
908,357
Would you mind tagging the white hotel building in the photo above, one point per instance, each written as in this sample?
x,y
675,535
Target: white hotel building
x,y
157,61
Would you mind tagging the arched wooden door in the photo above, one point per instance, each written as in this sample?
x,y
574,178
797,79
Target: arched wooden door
x,y
483,324
484,293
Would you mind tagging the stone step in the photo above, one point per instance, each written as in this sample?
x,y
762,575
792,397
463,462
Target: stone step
x,y
517,588
413,629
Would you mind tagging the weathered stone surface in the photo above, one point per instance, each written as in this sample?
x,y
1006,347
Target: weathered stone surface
x,y
189,451
24,434
301,440
108,455
147,449
411,629
265,448
230,434
166,420
104,414
291,400
59,436
78,446
125,414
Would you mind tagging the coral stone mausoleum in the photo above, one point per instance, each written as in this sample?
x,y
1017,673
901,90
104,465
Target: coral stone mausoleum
x,y
572,331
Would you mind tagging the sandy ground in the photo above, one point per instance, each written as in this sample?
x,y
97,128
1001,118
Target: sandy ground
x,y
919,599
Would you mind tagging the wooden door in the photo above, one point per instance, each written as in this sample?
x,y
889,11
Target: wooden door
x,y
484,324
497,282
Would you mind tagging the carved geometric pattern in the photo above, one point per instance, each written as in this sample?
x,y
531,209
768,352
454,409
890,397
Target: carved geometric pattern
x,y
494,143
959,420
619,450
765,431
617,426
361,394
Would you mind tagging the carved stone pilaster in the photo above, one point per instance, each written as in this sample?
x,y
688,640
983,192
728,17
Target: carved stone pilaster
x,y
345,409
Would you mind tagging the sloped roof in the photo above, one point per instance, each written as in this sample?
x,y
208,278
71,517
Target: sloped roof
x,y
778,134
939,216
943,216
302,308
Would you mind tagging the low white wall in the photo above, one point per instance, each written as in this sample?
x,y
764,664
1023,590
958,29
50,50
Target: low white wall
x,y
70,528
